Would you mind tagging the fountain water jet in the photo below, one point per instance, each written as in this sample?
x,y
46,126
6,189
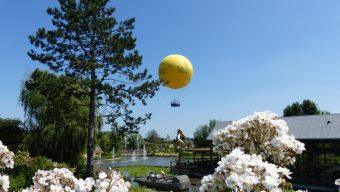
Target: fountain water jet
x,y
144,153
137,147
125,142
113,155
134,156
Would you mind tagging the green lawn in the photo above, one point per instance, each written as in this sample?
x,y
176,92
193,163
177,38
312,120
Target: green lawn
x,y
140,171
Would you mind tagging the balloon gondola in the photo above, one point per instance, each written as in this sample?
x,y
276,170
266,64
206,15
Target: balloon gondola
x,y
175,71
175,103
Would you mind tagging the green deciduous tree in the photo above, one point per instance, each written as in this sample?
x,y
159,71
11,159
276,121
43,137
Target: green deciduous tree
x,y
307,107
132,141
152,136
56,117
12,133
202,132
88,43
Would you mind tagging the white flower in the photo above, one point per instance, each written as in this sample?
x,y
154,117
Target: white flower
x,y
241,172
270,183
4,182
6,157
102,175
84,185
263,134
337,182
64,180
56,188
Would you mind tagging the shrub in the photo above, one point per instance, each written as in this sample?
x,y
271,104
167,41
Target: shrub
x,y
25,168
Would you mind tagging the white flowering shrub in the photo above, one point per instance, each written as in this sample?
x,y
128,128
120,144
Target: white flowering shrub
x,y
61,179
337,182
4,182
263,134
242,172
6,161
53,180
6,157
57,180
111,182
260,150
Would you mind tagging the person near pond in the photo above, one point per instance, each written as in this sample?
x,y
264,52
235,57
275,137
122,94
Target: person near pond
x,y
180,139
160,175
155,177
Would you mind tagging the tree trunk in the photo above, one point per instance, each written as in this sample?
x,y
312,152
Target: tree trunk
x,y
90,142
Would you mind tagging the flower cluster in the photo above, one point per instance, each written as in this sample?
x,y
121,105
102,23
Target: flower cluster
x,y
242,172
112,182
260,150
263,134
6,157
4,182
6,161
53,180
63,180
337,182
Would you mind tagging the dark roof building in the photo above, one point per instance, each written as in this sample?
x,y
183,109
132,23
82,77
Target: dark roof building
x,y
304,127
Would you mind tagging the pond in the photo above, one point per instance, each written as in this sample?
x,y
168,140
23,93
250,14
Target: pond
x,y
150,161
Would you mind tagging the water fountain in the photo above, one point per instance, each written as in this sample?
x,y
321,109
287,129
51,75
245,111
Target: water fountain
x,y
113,155
134,156
125,142
144,153
137,146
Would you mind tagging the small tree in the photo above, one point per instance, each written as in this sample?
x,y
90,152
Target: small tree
x,y
132,140
12,133
55,117
202,132
153,137
105,142
88,43
307,107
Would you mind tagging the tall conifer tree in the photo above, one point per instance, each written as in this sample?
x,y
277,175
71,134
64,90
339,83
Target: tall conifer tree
x,y
88,43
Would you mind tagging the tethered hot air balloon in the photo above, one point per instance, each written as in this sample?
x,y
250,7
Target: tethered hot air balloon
x,y
175,71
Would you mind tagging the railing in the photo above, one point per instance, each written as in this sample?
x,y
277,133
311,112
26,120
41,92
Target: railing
x,y
320,177
194,167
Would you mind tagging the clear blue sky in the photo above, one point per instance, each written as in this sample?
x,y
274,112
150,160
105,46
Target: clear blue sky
x,y
247,55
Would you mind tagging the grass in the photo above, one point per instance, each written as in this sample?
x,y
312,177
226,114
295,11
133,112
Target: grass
x,y
141,171
141,189
166,154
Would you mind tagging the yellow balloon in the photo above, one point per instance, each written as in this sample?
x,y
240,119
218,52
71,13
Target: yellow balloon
x,y
175,71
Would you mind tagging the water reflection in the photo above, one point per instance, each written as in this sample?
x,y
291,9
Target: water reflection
x,y
151,161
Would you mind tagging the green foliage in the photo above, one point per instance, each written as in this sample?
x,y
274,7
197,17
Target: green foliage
x,y
105,142
293,110
89,44
12,133
288,186
80,171
153,137
201,134
132,140
130,172
25,168
151,148
56,117
307,107
141,189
